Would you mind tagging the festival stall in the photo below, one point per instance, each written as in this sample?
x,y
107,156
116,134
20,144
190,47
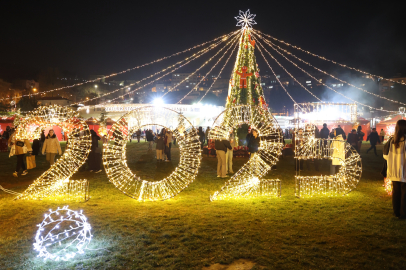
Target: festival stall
x,y
389,125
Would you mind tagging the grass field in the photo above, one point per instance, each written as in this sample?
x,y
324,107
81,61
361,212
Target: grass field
x,y
356,231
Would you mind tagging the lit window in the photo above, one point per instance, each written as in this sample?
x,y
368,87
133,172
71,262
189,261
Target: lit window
x,y
271,86
308,81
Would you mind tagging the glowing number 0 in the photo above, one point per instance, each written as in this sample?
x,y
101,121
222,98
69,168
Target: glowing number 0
x,y
115,161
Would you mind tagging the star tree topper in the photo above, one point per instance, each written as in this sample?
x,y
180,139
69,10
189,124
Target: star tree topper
x,y
245,19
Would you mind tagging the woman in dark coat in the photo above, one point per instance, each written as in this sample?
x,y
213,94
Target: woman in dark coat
x,y
93,160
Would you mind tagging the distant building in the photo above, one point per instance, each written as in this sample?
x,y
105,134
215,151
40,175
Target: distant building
x,y
188,81
46,101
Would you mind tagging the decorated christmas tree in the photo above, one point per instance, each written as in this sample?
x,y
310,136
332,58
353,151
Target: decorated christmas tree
x,y
245,83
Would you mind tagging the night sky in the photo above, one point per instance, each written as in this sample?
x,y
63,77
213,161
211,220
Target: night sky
x,y
102,37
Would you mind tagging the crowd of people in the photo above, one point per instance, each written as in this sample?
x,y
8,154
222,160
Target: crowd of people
x,y
49,146
394,152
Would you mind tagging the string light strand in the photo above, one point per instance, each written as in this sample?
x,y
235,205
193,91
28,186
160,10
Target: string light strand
x,y
332,61
332,89
273,72
127,70
330,75
204,64
205,76
215,79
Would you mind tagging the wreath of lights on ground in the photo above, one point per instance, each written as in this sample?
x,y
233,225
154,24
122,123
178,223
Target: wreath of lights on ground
x,y
248,182
115,161
62,234
307,147
55,183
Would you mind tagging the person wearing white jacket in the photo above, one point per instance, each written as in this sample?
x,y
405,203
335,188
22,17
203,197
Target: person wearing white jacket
x,y
396,169
51,147
338,152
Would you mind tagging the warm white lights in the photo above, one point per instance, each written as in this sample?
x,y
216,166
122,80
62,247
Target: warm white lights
x,y
62,234
55,183
248,181
150,117
307,148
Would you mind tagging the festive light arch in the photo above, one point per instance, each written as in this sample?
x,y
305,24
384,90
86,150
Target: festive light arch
x,y
114,154
307,147
55,182
62,234
248,182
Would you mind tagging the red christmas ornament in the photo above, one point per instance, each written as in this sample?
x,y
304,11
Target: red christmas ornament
x,y
246,46
257,74
234,101
243,76
251,41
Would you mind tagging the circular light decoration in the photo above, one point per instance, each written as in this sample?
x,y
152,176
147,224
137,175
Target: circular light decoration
x,y
248,182
55,183
114,153
307,147
62,234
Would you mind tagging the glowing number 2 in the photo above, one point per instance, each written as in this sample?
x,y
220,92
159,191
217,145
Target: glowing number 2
x,y
55,182
248,181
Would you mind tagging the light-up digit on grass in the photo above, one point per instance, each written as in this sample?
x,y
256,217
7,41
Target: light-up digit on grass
x,y
248,181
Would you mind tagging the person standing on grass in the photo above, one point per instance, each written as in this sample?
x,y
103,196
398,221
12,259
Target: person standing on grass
x,y
138,133
221,148
352,139
201,137
168,145
360,135
94,158
42,140
248,137
160,146
51,147
150,139
382,134
20,149
207,135
373,138
253,143
396,169
230,152
324,132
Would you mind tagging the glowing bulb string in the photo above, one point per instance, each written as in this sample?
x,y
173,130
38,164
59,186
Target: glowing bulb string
x,y
328,74
204,77
157,78
289,73
190,58
9,191
332,89
215,79
283,87
332,61
127,70
204,64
